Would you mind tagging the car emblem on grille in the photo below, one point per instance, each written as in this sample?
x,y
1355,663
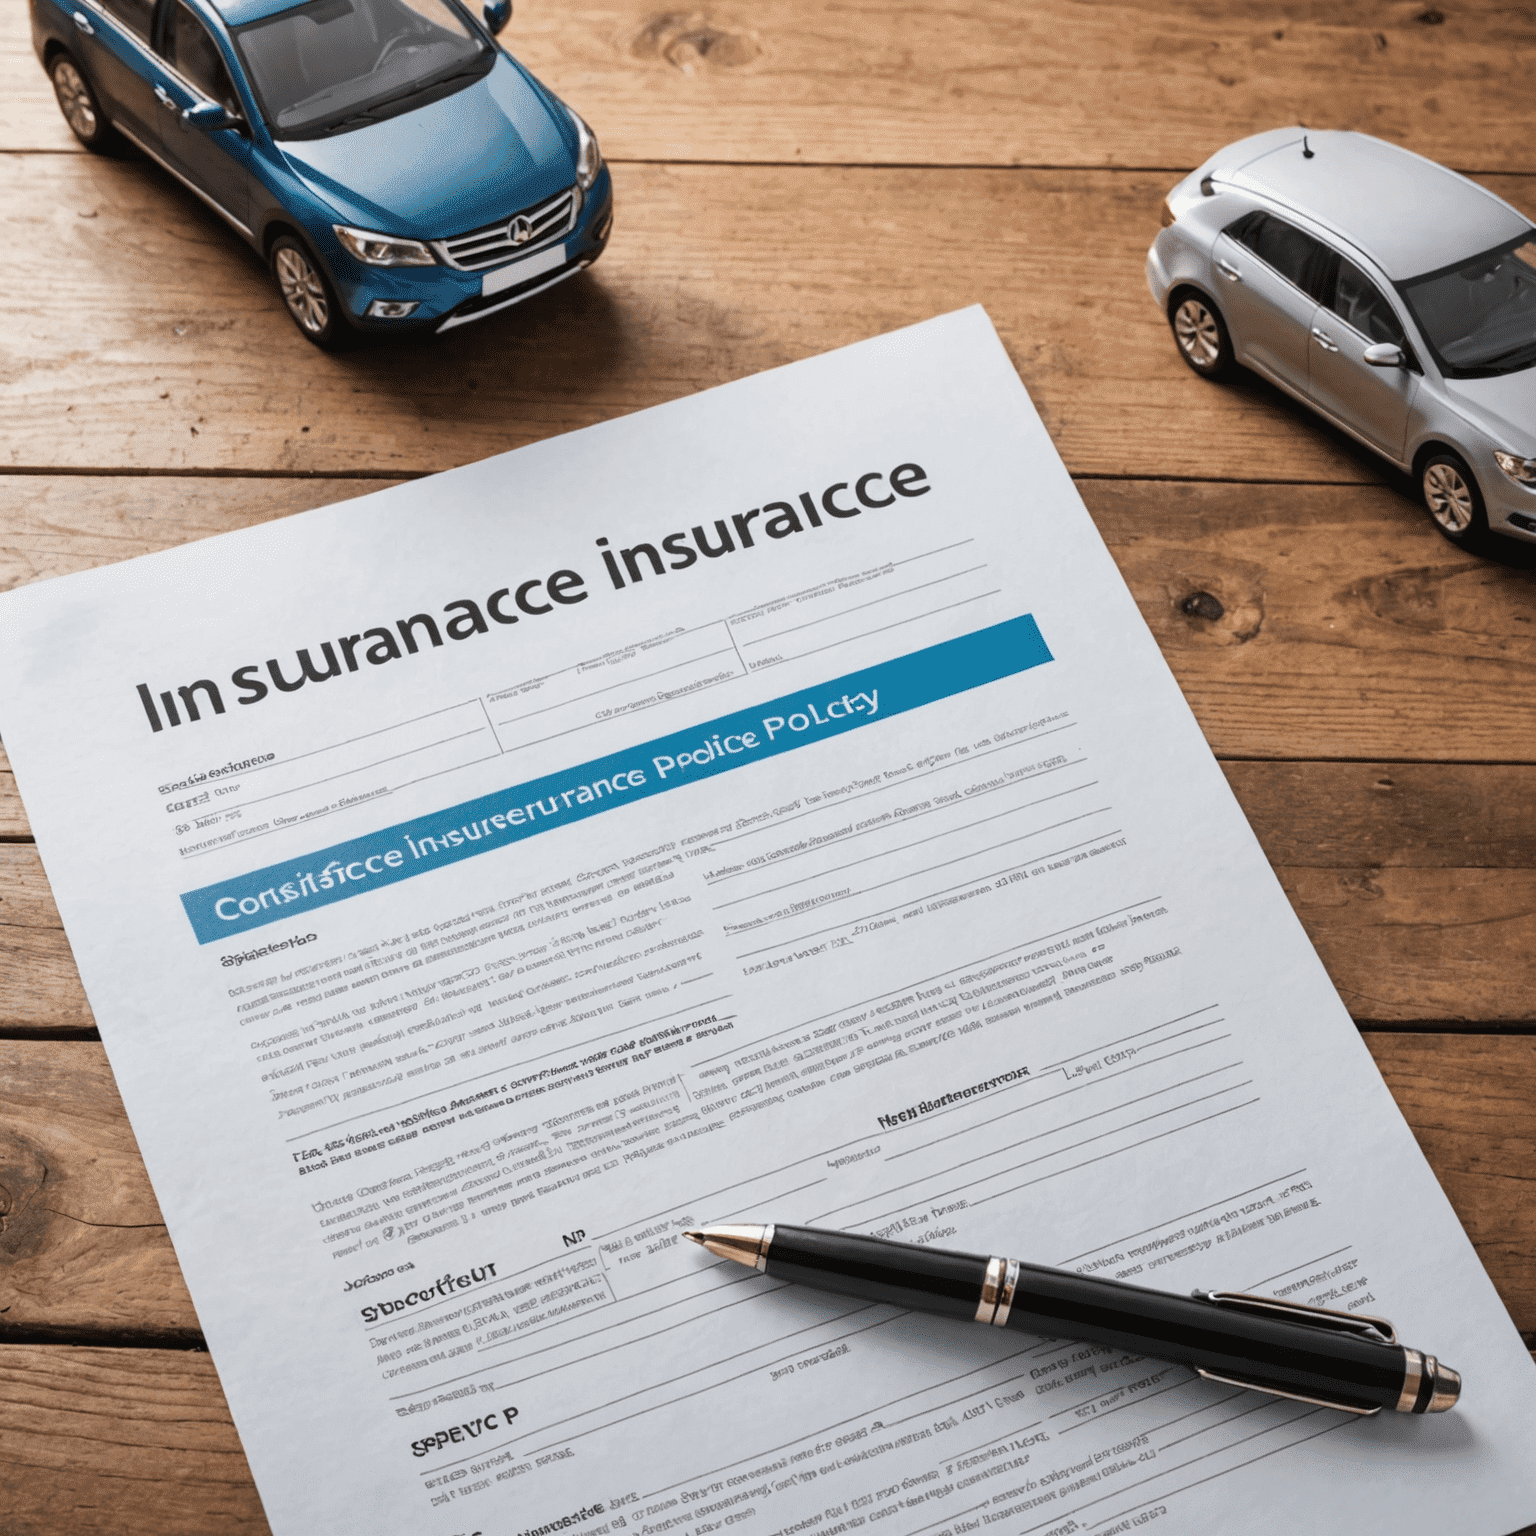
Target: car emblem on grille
x,y
520,231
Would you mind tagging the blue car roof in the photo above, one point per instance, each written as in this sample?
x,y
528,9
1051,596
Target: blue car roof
x,y
237,13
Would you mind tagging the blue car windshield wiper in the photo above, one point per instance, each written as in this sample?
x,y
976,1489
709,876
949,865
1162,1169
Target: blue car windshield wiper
x,y
370,113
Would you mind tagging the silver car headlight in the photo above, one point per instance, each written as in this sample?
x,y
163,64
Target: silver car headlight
x,y
384,250
589,158
1521,471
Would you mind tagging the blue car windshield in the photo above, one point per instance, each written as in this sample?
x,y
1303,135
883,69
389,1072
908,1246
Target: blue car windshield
x,y
1480,315
333,65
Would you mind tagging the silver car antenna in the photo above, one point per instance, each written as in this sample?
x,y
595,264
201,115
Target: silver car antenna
x,y
1307,152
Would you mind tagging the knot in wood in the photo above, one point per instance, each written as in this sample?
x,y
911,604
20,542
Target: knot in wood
x,y
1202,605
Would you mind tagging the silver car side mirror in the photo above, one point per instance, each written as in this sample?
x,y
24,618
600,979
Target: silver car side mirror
x,y
1385,354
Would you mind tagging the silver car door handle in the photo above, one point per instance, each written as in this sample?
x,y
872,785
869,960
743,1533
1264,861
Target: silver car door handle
x,y
84,24
1324,340
163,96
1229,272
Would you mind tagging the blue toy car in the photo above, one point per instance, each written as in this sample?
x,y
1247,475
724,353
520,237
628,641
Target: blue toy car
x,y
393,165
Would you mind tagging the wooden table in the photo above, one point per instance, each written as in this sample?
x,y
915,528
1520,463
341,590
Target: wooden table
x,y
792,176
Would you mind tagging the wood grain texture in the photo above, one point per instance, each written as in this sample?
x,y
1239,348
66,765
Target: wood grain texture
x,y
110,1442
990,83
179,355
41,991
119,1442
1349,628
83,1249
67,1158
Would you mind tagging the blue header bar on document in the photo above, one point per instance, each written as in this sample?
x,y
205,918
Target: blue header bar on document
x,y
287,891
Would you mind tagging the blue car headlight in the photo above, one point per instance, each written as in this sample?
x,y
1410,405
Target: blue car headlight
x,y
589,158
1521,471
384,250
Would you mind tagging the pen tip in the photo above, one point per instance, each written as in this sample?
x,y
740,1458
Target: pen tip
x,y
696,1237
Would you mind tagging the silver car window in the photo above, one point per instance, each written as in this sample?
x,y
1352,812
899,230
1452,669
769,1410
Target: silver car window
x,y
1292,252
1359,302
1480,315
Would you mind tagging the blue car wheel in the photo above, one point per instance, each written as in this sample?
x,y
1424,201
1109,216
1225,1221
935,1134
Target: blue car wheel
x,y
307,293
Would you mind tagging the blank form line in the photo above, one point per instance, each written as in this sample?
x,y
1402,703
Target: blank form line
x,y
888,597
1225,1200
837,869
334,746
576,698
1087,1141
1104,1156
277,794
827,588
943,890
1077,1087
620,714
895,624
881,789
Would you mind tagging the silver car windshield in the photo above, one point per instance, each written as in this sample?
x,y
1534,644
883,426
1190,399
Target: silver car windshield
x,y
332,65
1480,316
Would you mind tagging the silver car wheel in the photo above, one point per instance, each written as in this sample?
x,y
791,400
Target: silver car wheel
x,y
303,292
75,100
1448,497
1195,330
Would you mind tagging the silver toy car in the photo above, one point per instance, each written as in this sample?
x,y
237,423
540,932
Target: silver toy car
x,y
1394,297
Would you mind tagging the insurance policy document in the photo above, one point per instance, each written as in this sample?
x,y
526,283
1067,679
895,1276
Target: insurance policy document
x,y
773,807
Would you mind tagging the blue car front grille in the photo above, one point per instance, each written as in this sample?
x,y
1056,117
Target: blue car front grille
x,y
493,244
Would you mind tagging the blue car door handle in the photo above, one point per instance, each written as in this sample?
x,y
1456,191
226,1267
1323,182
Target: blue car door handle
x,y
84,24
163,96
1324,340
1229,272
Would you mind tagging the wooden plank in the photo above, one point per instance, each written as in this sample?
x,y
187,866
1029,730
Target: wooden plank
x,y
150,338
119,1442
1372,815
125,1442
52,525
1348,628
1469,1101
67,1158
41,990
1421,904
992,83
1403,942
83,1248
13,819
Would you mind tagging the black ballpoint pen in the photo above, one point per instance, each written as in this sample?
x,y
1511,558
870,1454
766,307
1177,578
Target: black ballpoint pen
x,y
1334,1359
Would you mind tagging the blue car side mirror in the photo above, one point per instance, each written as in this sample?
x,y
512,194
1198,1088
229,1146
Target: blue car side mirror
x,y
497,14
208,117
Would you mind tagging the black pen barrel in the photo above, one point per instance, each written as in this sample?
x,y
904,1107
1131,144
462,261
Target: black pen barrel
x,y
1274,1352
924,1279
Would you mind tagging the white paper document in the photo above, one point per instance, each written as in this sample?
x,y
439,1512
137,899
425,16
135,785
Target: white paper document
x,y
770,806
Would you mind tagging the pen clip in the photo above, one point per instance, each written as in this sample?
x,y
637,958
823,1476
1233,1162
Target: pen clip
x,y
1361,1324
1295,1397
1377,1329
